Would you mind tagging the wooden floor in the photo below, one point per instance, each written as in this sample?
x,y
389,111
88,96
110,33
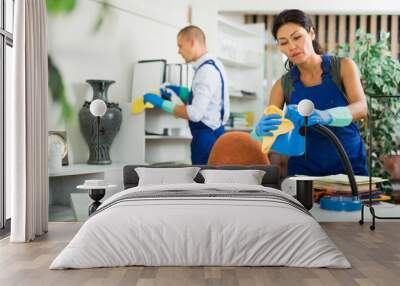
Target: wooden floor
x,y
374,255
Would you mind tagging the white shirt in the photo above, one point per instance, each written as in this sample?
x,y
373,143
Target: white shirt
x,y
206,88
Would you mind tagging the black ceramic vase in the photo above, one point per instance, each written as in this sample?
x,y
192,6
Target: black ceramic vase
x,y
100,132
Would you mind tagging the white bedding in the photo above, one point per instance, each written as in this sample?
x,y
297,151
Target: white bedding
x,y
225,231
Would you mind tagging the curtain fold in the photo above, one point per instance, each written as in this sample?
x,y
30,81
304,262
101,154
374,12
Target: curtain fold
x,y
27,123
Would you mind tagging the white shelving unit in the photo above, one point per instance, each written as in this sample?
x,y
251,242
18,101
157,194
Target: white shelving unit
x,y
66,202
165,148
241,50
159,148
236,28
240,96
79,169
235,63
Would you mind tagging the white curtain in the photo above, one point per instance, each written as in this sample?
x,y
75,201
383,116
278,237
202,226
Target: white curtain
x,y
26,117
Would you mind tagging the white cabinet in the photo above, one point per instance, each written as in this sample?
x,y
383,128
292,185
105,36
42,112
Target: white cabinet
x,y
166,138
66,202
168,147
241,50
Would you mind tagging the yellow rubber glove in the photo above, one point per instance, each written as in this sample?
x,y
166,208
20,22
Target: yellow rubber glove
x,y
138,105
285,127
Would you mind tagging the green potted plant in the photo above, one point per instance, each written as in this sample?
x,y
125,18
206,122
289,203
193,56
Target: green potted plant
x,y
380,76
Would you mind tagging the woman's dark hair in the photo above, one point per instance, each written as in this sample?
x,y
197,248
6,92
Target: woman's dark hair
x,y
296,17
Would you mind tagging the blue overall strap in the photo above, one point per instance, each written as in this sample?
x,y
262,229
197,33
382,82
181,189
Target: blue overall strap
x,y
203,136
295,75
326,72
211,62
326,67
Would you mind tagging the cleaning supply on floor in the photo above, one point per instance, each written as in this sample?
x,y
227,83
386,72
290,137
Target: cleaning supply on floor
x,y
340,203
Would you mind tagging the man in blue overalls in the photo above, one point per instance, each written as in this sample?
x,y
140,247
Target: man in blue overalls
x,y
206,106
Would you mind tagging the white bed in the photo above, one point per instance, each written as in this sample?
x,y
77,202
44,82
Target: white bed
x,y
250,225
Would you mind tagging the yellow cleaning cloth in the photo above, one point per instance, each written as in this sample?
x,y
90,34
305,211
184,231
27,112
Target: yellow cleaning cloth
x,y
138,105
283,128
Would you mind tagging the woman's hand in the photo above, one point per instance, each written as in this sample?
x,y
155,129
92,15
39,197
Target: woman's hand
x,y
267,124
322,117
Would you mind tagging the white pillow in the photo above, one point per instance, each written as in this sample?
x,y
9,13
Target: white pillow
x,y
165,176
248,177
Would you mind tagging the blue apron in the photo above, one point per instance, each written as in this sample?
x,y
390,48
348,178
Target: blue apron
x,y
322,158
203,136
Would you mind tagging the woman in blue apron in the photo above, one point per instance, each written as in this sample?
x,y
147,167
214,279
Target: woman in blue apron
x,y
332,84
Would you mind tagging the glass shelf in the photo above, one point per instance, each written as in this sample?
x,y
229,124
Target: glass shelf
x,y
235,63
243,129
164,137
242,97
242,29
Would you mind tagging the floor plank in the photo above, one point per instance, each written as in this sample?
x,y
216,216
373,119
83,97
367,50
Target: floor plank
x,y
374,255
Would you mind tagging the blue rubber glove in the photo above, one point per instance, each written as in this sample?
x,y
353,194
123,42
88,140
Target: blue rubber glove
x,y
180,91
293,115
165,94
153,99
157,101
322,117
267,124
292,143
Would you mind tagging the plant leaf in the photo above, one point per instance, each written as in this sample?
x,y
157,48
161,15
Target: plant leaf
x,y
104,11
57,91
60,6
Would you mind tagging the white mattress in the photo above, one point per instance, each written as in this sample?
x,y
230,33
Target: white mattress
x,y
192,231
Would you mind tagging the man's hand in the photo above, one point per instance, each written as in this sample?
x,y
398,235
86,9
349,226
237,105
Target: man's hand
x,y
168,89
153,99
157,101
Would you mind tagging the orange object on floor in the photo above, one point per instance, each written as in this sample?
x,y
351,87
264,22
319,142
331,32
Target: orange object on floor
x,y
237,148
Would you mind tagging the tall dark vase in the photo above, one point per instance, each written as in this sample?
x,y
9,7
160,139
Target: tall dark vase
x,y
99,134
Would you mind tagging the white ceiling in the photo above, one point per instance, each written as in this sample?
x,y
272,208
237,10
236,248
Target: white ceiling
x,y
358,7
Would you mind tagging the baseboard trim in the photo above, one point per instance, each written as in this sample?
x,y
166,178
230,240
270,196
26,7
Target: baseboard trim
x,y
5,231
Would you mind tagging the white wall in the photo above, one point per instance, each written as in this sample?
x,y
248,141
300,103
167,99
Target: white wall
x,y
391,7
204,15
132,31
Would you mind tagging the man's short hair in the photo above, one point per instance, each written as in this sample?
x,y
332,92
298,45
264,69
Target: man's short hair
x,y
190,32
